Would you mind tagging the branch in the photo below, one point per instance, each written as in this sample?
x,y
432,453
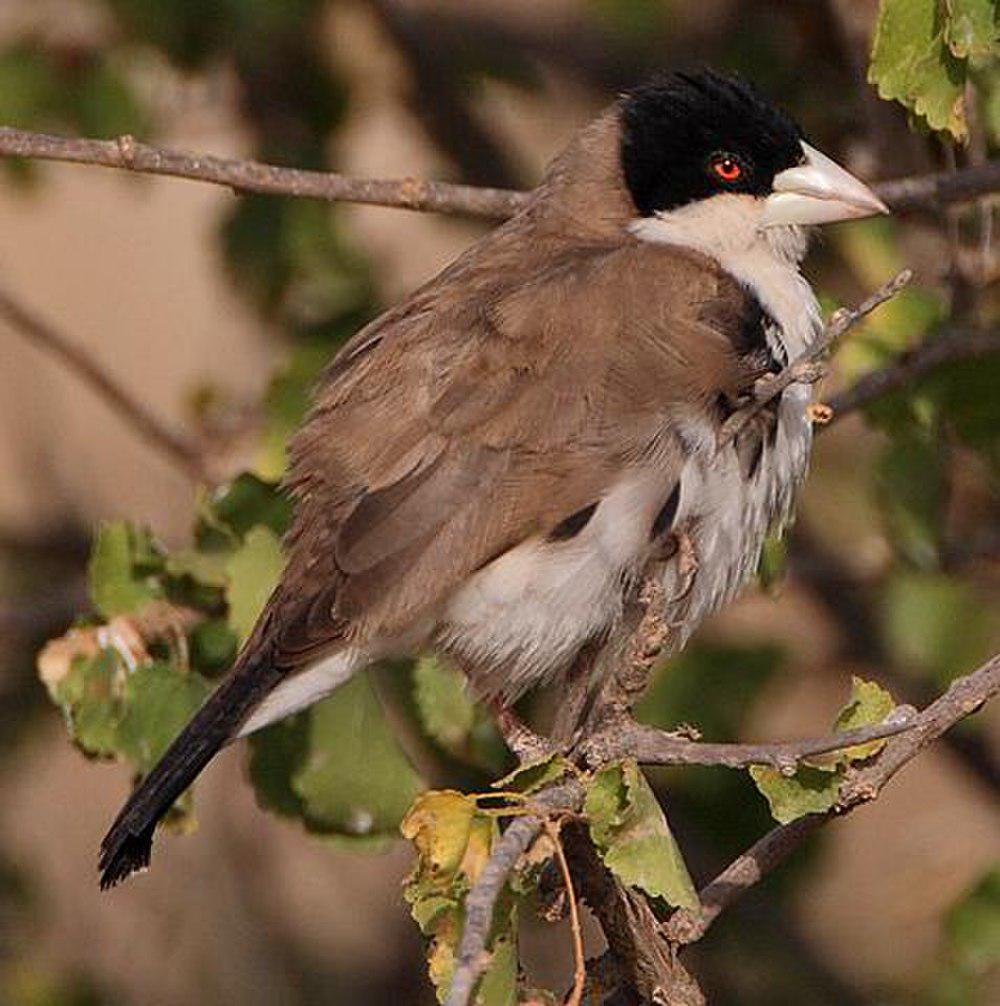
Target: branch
x,y
912,366
650,746
921,192
810,366
181,451
127,153
861,785
481,900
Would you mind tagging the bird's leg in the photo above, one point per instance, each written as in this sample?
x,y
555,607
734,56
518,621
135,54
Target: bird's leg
x,y
577,696
522,741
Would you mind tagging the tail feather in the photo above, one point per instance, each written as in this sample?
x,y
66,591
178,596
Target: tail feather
x,y
127,847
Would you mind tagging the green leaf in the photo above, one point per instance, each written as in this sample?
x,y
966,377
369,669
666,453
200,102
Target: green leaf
x,y
232,510
355,778
909,479
276,755
971,27
134,715
936,625
104,104
208,568
90,697
116,585
632,836
447,713
498,986
809,791
159,700
965,395
286,403
253,570
29,90
972,926
911,63
868,705
814,787
213,646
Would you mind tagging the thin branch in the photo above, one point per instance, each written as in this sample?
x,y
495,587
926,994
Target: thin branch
x,y
810,366
912,366
472,957
579,963
921,192
129,154
861,785
181,451
628,739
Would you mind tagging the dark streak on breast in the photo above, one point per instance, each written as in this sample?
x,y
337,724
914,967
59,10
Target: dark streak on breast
x,y
573,524
665,518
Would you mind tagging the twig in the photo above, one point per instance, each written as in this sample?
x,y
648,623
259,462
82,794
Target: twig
x,y
809,367
912,366
940,188
481,900
850,601
129,154
861,785
181,451
628,739
579,963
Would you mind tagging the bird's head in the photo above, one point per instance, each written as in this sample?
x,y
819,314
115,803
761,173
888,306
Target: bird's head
x,y
687,139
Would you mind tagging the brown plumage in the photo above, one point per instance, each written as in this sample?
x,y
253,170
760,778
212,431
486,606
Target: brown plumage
x,y
490,466
505,395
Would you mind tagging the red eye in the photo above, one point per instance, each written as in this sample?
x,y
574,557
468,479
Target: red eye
x,y
726,167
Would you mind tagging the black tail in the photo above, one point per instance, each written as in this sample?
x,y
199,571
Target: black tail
x,y
127,847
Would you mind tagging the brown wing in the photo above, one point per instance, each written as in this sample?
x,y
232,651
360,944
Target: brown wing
x,y
494,404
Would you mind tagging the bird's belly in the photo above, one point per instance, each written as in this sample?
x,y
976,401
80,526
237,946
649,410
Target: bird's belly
x,y
523,618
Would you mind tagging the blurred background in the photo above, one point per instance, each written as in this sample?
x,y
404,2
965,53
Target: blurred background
x,y
217,310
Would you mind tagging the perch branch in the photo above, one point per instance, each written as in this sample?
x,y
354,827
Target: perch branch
x,y
861,785
628,739
129,154
181,451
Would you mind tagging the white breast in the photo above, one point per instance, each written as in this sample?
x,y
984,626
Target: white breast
x,y
733,515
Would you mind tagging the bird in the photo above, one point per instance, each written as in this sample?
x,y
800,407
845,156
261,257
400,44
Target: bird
x,y
488,467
